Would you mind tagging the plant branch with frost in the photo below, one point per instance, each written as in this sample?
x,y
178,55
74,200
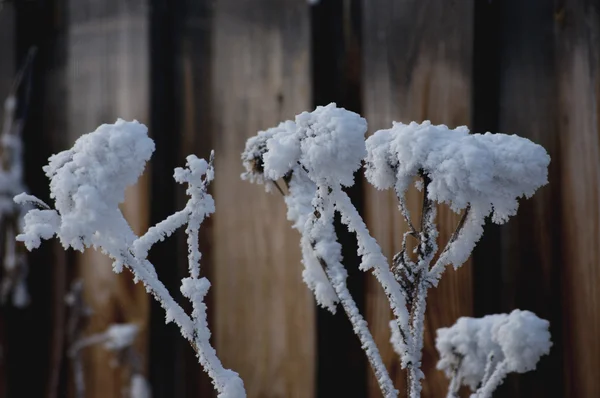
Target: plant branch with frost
x,y
317,155
88,183
480,352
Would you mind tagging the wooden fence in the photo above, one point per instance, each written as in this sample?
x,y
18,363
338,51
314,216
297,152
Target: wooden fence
x,y
206,74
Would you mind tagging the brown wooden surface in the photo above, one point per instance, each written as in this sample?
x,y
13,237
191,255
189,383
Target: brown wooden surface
x,y
417,66
222,70
264,314
578,54
108,77
529,277
7,72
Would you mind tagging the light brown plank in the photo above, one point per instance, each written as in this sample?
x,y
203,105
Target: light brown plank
x,y
417,66
264,314
578,27
108,77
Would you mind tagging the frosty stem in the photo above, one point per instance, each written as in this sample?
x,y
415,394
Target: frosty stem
x,y
337,277
417,302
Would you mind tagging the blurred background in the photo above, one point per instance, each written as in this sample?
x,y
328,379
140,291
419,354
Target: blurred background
x,y
208,74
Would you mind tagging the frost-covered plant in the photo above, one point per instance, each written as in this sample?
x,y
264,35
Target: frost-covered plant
x,y
88,183
480,352
317,155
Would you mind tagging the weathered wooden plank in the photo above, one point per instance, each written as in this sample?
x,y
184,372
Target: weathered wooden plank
x,y
264,314
108,77
577,25
7,72
417,59
530,242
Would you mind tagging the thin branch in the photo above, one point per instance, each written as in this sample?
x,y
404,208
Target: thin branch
x,y
441,262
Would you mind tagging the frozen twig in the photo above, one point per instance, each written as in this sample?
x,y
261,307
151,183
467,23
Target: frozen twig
x,y
87,215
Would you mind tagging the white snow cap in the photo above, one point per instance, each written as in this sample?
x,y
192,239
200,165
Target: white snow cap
x,y
328,142
87,183
517,339
488,171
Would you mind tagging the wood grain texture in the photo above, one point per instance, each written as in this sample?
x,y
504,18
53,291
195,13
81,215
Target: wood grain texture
x,y
108,77
530,252
263,312
417,66
578,55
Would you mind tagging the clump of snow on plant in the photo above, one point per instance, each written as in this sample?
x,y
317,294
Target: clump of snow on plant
x,y
87,184
325,146
489,171
511,342
483,174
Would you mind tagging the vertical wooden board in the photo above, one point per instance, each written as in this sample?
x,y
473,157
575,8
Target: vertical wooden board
x,y
264,314
108,77
7,73
417,66
530,241
7,50
578,29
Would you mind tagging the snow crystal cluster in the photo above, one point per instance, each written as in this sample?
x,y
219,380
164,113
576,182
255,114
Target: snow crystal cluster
x,y
87,184
316,156
479,352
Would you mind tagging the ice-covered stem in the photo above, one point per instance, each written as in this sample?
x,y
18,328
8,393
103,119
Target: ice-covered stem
x,y
294,151
87,215
320,230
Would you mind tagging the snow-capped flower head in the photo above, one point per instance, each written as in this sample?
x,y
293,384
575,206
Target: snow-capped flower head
x,y
255,155
88,182
489,171
332,142
327,142
517,340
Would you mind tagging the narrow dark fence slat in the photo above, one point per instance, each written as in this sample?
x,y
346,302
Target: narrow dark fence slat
x,y
167,373
336,64
35,332
530,242
7,72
